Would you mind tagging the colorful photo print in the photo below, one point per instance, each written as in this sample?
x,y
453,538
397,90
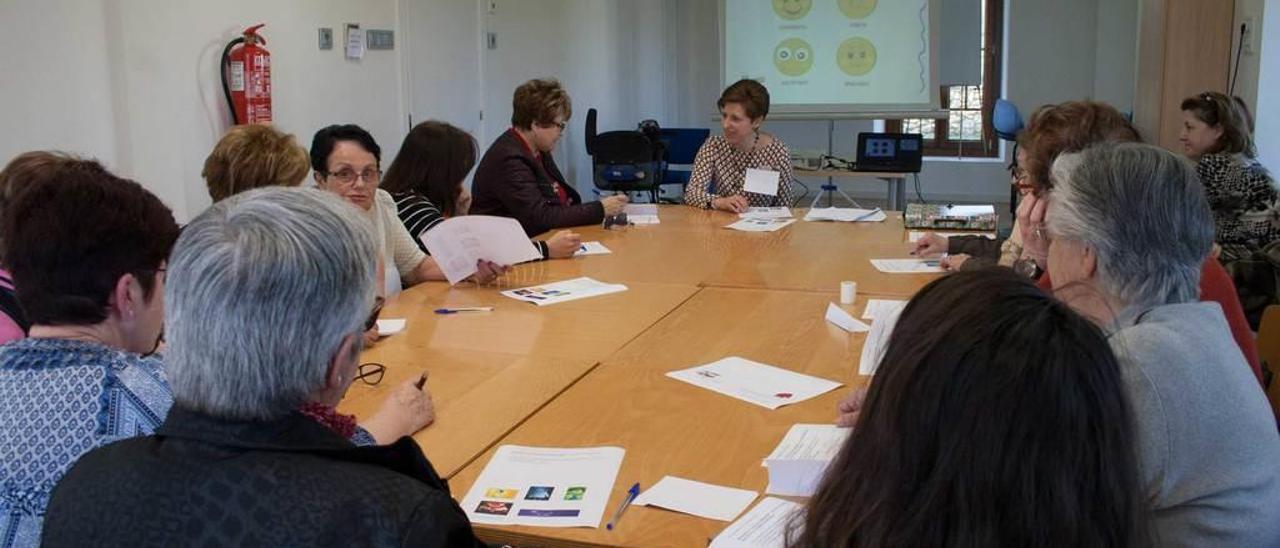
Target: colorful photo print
x,y
575,493
494,507
500,493
539,492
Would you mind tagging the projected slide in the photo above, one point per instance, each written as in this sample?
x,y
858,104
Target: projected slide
x,y
831,52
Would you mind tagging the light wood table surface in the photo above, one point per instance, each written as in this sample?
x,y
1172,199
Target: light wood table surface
x,y
491,370
692,246
672,428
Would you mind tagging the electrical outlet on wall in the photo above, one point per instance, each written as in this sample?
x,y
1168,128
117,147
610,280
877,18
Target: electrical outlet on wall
x,y
492,6
1248,35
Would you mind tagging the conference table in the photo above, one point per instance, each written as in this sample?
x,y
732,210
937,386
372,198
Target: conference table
x,y
590,372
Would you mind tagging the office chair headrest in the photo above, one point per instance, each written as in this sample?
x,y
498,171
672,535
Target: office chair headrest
x,y
1006,120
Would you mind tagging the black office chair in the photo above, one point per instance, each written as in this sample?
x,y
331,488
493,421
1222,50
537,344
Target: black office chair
x,y
624,161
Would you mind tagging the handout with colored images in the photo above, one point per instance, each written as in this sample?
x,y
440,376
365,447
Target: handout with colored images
x,y
544,486
797,464
752,224
763,385
459,242
765,526
877,341
773,212
559,292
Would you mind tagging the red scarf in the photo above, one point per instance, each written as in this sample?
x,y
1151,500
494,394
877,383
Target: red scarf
x,y
537,155
344,425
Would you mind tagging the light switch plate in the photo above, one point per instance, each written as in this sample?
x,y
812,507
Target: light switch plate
x,y
326,38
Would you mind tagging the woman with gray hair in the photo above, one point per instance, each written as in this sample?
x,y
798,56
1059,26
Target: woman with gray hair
x,y
1206,439
270,291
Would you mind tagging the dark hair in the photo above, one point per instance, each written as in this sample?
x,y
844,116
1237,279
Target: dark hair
x,y
69,239
751,94
1229,113
997,417
1069,127
324,141
433,160
26,169
539,101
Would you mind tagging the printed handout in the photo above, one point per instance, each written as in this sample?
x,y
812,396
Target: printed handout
x,y
544,486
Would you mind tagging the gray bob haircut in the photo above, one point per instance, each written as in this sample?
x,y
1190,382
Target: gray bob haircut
x,y
1142,210
261,290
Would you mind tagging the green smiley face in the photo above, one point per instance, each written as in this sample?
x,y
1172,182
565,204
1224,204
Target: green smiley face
x,y
856,56
792,9
793,57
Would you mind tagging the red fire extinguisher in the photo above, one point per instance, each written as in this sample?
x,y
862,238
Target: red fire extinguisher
x,y
246,78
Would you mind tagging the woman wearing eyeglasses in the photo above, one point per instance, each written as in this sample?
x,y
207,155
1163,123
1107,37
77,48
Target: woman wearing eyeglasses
x,y
518,178
346,162
975,252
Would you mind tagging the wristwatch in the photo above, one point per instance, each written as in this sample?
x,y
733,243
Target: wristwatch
x,y
711,200
1029,268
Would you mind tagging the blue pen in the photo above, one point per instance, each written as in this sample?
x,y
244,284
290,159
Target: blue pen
x,y
632,493
457,309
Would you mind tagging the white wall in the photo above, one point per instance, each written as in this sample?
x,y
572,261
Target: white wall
x,y
135,82
1247,75
1116,53
1267,112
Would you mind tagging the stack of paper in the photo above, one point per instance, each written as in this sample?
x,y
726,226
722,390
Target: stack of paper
x,y
763,385
559,292
752,224
915,235
877,341
641,214
592,248
459,242
697,498
907,266
798,462
765,526
779,212
845,214
548,487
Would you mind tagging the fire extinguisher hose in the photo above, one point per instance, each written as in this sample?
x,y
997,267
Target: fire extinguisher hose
x,y
224,66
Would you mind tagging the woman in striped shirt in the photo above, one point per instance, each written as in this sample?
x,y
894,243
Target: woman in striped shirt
x,y
426,181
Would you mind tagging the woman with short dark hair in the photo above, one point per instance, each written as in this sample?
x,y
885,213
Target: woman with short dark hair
x,y
518,178
720,168
87,250
992,421
426,180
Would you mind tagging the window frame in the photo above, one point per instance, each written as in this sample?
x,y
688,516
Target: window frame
x,y
989,145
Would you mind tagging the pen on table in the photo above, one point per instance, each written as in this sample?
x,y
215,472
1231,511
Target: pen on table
x,y
873,213
457,309
632,493
422,380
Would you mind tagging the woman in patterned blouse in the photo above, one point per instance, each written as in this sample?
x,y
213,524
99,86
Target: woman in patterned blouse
x,y
1217,134
720,169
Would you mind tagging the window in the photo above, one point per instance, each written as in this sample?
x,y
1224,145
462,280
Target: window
x,y
966,131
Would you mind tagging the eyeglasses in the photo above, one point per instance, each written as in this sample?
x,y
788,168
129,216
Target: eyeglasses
x,y
560,125
349,176
372,320
370,373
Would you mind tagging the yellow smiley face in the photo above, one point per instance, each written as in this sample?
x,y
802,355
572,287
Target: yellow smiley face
x,y
855,9
856,56
793,57
792,9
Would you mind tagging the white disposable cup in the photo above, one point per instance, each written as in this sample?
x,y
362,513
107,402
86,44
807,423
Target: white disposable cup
x,y
848,292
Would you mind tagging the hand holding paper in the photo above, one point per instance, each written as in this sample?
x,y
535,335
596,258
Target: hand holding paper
x,y
459,243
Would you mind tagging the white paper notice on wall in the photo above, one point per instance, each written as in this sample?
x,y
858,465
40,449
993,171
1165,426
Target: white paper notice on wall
x,y
355,41
761,181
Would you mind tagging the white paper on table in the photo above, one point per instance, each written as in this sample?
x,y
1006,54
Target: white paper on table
x,y
592,248
907,266
641,214
544,486
697,498
760,225
879,308
457,243
776,212
559,292
844,320
764,526
390,326
845,214
877,340
915,235
761,181
763,385
798,463
355,41
643,219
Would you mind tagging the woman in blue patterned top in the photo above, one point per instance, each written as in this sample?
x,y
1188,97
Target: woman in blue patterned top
x,y
87,251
